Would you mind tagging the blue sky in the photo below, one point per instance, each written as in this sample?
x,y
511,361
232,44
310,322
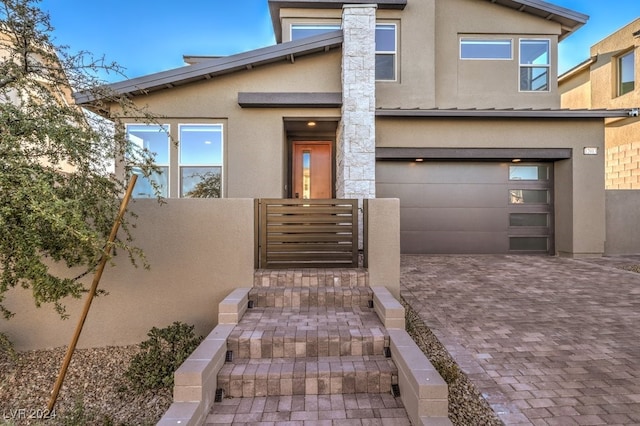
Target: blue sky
x,y
147,36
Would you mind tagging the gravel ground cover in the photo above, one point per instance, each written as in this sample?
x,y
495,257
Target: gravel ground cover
x,y
94,390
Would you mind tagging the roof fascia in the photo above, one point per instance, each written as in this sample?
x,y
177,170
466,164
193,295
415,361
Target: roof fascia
x,y
219,66
506,113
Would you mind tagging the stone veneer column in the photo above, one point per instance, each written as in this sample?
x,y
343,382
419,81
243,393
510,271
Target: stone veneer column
x,y
355,153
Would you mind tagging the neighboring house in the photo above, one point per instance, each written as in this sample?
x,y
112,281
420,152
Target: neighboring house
x,y
452,106
610,78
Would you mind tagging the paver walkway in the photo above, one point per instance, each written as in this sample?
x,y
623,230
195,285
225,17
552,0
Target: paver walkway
x,y
548,341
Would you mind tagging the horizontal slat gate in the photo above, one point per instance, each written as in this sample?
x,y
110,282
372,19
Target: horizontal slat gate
x,y
297,233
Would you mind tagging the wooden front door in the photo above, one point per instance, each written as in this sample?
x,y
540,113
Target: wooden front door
x,y
311,171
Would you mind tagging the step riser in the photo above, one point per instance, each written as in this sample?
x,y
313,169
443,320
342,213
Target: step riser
x,y
311,278
279,383
281,347
309,297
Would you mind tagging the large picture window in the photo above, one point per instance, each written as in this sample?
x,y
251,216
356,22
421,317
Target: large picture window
x,y
486,49
626,73
534,65
201,160
299,31
155,139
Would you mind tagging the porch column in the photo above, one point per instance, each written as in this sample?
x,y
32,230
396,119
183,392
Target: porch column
x,y
355,153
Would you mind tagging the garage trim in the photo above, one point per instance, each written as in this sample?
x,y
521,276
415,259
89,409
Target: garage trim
x,y
475,154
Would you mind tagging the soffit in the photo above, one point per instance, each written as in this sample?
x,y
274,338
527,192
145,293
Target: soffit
x,y
214,67
569,20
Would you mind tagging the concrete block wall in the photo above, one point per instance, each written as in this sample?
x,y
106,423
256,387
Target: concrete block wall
x,y
623,166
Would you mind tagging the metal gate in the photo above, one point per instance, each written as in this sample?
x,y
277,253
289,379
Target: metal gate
x,y
295,233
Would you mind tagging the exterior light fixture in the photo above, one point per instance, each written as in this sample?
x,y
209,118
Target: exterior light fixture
x,y
516,160
311,124
419,160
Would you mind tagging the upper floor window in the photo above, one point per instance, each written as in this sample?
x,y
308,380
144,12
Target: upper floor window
x,y
299,31
534,65
491,49
386,50
155,139
386,45
201,160
626,73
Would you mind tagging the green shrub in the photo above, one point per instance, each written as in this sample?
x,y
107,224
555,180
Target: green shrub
x,y
160,356
6,348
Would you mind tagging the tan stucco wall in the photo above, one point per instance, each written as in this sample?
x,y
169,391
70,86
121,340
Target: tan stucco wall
x,y
623,216
199,251
575,91
430,73
384,244
255,141
604,71
579,182
487,84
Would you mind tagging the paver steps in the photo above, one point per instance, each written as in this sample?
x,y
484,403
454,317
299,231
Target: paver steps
x,y
310,332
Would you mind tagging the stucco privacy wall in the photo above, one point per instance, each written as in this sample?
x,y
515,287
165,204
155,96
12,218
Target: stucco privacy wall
x,y
579,181
623,217
199,250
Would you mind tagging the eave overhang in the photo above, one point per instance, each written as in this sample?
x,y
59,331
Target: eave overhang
x,y
569,20
220,66
582,66
290,100
503,113
276,5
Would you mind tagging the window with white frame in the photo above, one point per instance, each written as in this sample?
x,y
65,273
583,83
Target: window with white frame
x,y
154,139
535,65
386,52
626,73
201,158
485,49
299,31
386,45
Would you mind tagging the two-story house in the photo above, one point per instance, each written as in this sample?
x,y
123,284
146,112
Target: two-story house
x,y
452,106
610,79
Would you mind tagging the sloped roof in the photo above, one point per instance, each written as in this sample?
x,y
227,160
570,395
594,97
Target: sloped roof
x,y
219,66
570,20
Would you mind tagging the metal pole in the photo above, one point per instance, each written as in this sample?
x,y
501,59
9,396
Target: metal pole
x,y
92,293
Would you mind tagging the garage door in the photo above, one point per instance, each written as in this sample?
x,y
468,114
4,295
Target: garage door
x,y
469,207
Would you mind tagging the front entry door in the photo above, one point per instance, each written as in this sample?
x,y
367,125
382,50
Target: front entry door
x,y
311,172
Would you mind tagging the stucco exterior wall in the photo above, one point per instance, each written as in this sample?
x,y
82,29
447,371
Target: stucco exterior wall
x,y
579,181
604,71
576,91
255,145
384,244
623,216
199,251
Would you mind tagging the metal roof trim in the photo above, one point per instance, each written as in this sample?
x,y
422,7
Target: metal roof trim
x,y
503,113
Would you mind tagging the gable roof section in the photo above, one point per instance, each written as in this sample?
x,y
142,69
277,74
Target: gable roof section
x,y
219,66
569,20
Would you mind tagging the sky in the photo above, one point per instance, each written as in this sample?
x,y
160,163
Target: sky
x,y
148,36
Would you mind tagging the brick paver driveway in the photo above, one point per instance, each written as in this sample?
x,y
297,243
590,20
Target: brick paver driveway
x,y
548,341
